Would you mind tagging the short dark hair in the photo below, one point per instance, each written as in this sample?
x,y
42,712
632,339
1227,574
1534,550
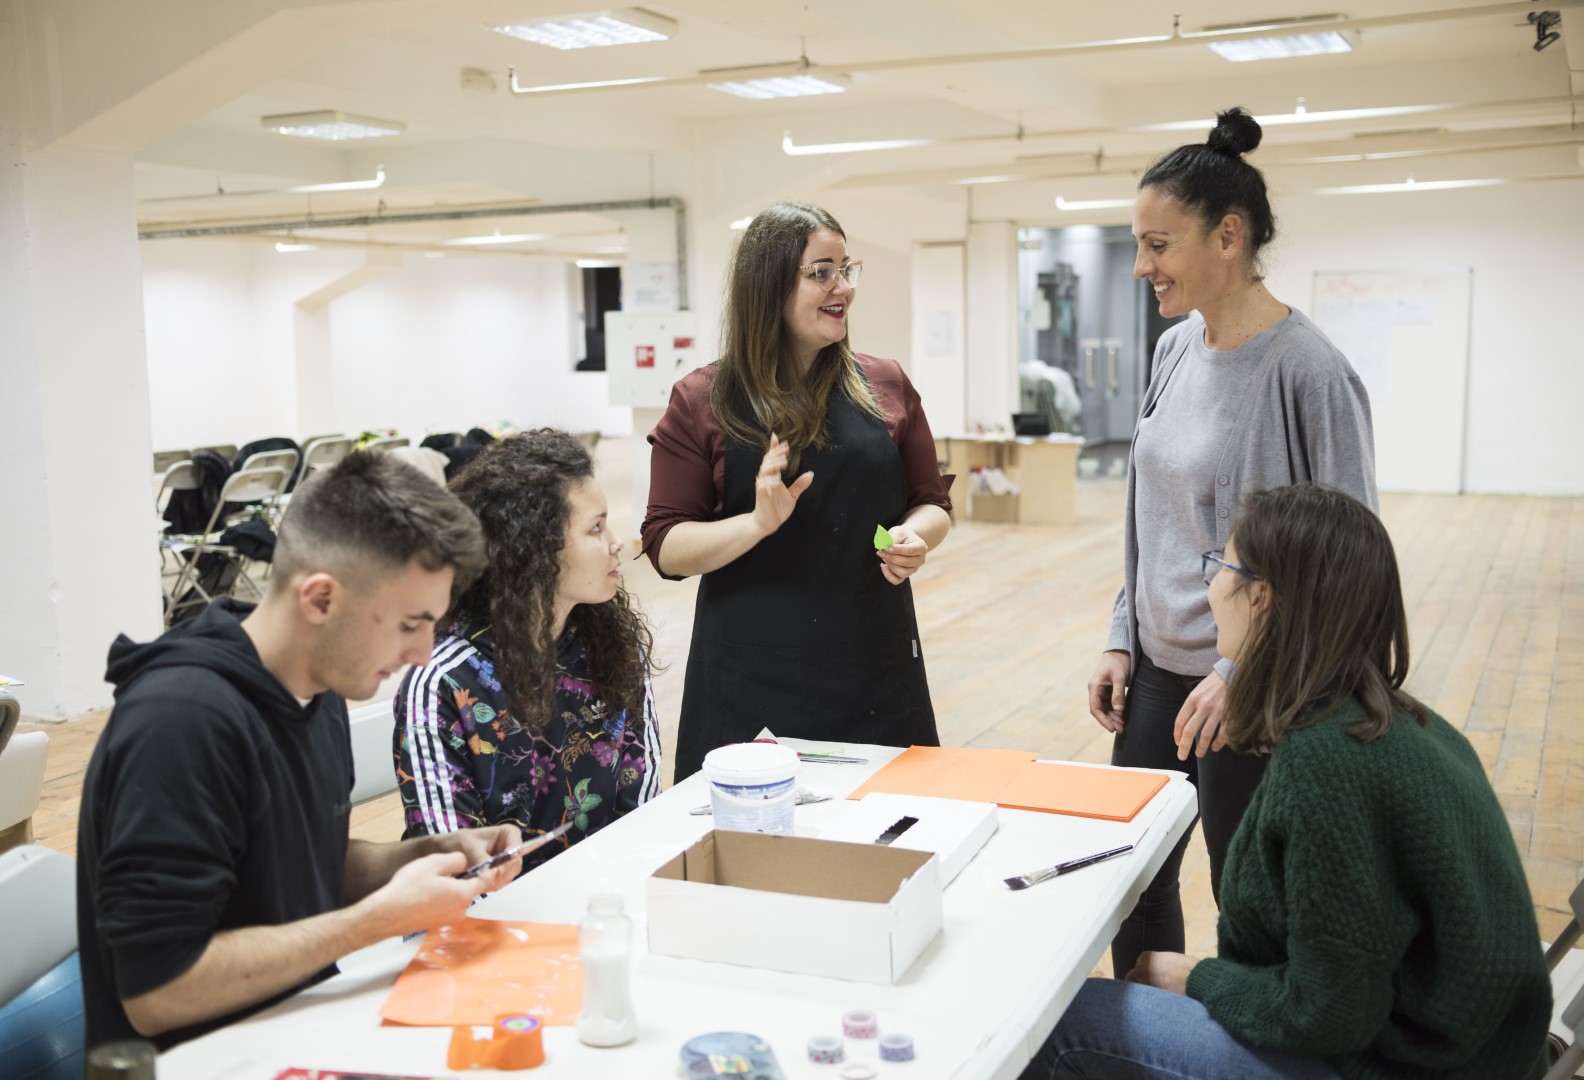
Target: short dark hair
x,y
1335,628
1212,180
372,514
518,487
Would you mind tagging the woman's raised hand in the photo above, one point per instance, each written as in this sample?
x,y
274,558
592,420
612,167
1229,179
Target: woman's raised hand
x,y
774,499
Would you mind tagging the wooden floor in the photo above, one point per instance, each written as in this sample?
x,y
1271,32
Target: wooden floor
x,y
1013,618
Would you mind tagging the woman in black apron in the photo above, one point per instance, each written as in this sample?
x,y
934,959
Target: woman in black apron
x,y
800,627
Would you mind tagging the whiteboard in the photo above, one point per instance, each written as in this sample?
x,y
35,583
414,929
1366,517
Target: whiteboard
x,y
1406,332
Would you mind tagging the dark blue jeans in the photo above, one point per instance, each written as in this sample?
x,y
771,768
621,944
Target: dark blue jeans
x,y
1124,1031
1225,782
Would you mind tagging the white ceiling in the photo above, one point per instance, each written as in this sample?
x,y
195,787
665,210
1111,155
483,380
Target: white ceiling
x,y
1517,113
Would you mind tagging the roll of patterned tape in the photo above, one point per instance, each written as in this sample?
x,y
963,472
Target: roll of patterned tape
x,y
825,1049
859,1070
860,1024
896,1047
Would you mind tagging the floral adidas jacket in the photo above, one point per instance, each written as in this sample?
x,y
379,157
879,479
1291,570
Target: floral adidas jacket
x,y
462,759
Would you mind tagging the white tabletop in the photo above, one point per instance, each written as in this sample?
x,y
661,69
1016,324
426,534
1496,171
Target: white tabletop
x,y
978,1002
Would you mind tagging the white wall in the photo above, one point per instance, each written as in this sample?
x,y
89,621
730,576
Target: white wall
x,y
1526,369
432,345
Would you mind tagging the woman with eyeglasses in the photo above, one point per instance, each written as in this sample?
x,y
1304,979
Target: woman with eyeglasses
x,y
771,470
1375,918
1245,395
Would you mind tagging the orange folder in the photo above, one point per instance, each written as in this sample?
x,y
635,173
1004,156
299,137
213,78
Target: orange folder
x,y
471,972
1014,779
1112,794
972,773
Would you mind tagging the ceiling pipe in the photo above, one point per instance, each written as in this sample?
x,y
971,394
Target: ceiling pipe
x,y
356,221
1174,39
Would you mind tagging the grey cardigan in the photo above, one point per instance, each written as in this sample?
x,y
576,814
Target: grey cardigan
x,y
1305,415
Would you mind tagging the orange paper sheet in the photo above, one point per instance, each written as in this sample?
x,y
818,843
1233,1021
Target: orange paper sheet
x,y
473,971
972,773
1111,794
1012,778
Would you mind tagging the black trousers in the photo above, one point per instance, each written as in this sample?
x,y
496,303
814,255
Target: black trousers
x,y
1225,782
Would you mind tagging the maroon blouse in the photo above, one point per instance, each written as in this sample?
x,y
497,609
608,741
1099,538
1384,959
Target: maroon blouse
x,y
687,467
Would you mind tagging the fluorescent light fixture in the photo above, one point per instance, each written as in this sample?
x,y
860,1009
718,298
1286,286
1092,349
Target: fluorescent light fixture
x,y
791,150
1279,119
332,124
496,238
742,222
1091,204
784,86
1408,185
623,26
986,180
284,248
345,185
549,88
595,264
1279,48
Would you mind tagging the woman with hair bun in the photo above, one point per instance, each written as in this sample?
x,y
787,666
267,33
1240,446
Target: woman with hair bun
x,y
1245,395
1375,918
535,707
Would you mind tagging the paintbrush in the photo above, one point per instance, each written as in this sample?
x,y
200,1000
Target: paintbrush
x,y
1023,881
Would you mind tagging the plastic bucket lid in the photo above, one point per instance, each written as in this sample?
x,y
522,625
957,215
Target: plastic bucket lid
x,y
751,765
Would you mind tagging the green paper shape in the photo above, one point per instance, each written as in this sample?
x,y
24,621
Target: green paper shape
x,y
882,538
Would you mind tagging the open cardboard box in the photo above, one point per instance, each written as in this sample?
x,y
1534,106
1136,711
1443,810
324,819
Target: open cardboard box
x,y
819,907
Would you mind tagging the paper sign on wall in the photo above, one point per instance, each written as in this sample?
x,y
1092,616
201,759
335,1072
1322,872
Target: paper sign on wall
x,y
645,356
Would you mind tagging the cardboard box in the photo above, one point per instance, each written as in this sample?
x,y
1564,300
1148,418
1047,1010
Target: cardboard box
x,y
848,911
1002,508
951,828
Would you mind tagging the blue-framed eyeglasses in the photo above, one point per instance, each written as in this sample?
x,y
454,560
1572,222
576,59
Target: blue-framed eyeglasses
x,y
1215,557
825,274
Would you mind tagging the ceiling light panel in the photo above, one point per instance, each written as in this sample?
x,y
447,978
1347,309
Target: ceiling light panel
x,y
784,87
332,125
1288,45
623,26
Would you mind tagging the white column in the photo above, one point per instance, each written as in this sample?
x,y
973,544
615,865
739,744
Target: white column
x,y
992,323
78,555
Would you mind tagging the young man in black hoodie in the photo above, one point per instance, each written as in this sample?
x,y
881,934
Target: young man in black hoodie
x,y
215,874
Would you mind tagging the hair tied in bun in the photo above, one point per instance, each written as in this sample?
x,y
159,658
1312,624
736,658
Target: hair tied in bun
x,y
1235,133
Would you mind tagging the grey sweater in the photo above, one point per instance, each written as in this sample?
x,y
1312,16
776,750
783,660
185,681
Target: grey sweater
x,y
1302,414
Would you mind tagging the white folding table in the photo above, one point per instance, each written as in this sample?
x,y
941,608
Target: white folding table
x,y
978,1002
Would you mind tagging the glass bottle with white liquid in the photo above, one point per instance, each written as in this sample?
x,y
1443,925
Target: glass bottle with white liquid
x,y
606,1018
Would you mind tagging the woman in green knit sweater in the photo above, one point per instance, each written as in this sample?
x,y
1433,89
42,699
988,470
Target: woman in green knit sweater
x,y
1375,920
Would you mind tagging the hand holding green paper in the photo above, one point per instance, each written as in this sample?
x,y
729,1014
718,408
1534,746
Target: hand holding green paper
x,y
882,539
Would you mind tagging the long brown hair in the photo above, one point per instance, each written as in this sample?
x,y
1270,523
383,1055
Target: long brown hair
x,y
518,488
1335,627
757,387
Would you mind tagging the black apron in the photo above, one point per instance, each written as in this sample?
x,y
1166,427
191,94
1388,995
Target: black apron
x,y
803,634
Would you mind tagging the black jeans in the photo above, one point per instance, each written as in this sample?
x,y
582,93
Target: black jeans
x,y
1225,782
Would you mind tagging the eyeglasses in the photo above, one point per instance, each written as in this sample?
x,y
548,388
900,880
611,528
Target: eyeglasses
x,y
1215,557
824,274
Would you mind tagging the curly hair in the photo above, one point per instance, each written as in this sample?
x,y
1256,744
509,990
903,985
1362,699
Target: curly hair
x,y
518,489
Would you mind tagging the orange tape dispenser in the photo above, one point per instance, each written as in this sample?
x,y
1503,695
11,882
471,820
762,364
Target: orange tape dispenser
x,y
515,1042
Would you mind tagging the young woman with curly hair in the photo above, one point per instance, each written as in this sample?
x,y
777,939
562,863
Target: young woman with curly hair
x,y
1375,920
770,471
536,706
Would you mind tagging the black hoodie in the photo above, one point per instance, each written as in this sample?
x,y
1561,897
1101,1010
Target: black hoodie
x,y
213,801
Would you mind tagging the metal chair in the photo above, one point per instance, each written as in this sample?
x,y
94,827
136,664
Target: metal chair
x,y
21,786
164,459
1568,988
225,450
324,452
262,486
272,459
179,476
386,442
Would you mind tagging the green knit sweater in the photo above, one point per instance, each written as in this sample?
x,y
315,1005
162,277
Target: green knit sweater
x,y
1374,912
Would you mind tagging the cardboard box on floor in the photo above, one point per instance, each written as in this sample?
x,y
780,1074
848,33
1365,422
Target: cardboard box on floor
x,y
819,907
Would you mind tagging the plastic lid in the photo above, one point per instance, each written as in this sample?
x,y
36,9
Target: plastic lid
x,y
751,763
605,903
